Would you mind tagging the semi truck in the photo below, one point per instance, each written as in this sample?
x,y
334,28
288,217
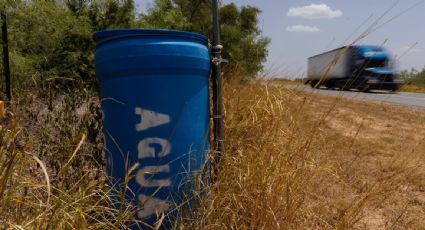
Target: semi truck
x,y
361,67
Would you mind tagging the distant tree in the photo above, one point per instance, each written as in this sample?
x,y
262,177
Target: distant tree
x,y
76,51
54,38
416,77
109,14
243,43
242,38
77,6
37,30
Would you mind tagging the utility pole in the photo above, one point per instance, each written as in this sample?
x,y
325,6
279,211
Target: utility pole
x,y
217,86
6,66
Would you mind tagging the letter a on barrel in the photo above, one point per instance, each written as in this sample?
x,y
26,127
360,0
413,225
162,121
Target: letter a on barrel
x,y
149,119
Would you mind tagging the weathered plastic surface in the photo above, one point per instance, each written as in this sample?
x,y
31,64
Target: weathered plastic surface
x,y
154,91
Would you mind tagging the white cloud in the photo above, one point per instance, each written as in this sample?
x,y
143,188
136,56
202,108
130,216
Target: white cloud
x,y
302,28
314,11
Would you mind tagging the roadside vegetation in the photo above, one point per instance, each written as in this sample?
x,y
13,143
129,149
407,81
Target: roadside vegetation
x,y
292,161
301,161
54,38
414,80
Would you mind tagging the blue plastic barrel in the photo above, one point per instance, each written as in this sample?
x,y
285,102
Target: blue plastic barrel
x,y
154,97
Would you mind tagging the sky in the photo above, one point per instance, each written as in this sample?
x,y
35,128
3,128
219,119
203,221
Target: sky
x,y
299,29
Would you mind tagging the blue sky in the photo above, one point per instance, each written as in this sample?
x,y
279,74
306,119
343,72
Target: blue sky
x,y
299,29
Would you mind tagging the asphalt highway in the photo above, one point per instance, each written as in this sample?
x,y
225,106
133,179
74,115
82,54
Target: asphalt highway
x,y
416,100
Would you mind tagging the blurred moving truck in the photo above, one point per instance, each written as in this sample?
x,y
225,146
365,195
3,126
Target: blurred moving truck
x,y
362,67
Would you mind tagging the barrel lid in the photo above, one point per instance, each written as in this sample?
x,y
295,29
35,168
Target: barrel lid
x,y
102,35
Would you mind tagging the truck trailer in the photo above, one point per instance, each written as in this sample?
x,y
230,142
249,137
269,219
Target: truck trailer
x,y
362,67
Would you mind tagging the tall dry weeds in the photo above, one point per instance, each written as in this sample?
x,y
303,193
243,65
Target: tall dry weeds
x,y
51,172
286,166
285,169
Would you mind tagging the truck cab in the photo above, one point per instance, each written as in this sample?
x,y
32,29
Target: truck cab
x,y
372,69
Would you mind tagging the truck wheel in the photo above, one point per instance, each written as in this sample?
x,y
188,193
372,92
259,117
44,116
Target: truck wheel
x,y
344,87
363,88
329,85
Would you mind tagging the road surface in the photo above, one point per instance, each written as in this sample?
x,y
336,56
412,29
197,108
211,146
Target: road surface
x,y
416,100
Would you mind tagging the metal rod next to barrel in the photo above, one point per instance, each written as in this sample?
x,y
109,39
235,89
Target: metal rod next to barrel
x,y
217,85
6,55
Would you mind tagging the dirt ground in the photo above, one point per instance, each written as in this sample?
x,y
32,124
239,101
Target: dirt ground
x,y
382,158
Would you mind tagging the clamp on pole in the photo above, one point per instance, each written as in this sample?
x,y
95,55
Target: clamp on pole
x,y
216,50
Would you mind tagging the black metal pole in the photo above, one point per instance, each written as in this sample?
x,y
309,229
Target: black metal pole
x,y
6,55
217,85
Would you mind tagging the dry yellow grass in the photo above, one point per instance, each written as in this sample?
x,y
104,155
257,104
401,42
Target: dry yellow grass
x,y
413,88
292,161
385,151
300,161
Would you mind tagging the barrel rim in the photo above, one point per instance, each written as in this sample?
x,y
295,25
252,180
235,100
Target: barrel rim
x,y
105,35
